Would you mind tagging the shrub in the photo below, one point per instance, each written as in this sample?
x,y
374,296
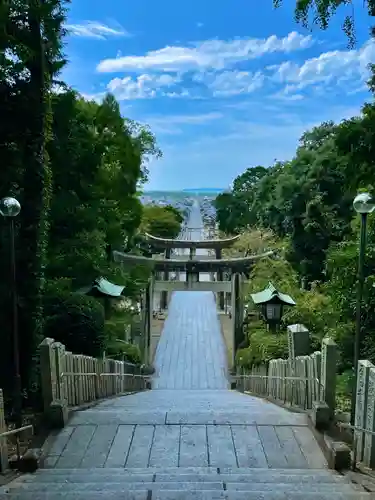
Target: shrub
x,y
123,350
263,347
75,320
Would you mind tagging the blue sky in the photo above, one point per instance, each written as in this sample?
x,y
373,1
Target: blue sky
x,y
224,84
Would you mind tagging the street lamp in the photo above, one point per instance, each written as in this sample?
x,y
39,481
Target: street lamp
x,y
10,208
363,204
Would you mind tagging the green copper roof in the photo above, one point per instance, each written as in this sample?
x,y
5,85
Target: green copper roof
x,y
101,287
270,293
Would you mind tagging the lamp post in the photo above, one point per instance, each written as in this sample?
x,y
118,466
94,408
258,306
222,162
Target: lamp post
x,y
363,204
10,208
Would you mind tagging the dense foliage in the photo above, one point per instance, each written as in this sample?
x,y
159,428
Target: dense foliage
x,y
76,167
163,222
306,204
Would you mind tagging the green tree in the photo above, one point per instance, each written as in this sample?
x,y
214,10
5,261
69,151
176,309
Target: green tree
x,y
95,205
160,221
31,41
320,13
176,212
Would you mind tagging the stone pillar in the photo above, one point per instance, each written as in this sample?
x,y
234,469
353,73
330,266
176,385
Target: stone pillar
x,y
328,374
52,367
298,340
220,278
164,293
369,440
361,407
48,373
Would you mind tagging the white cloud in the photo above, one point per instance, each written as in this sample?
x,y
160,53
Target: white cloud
x,y
214,54
173,124
200,25
284,95
143,87
340,66
95,29
230,83
288,81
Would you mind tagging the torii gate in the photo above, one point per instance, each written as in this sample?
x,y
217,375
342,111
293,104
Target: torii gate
x,y
167,245
192,268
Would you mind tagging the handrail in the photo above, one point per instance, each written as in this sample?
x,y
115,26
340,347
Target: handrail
x,y
75,374
274,376
16,431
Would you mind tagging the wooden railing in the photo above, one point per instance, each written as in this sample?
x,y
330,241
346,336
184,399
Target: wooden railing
x,y
70,380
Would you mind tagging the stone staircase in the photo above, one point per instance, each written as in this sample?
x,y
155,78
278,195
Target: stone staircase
x,y
183,484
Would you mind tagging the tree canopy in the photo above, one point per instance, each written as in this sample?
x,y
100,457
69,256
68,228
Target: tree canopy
x,y
163,222
76,167
306,204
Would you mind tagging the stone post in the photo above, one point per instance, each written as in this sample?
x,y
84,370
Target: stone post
x,y
328,374
52,356
298,340
3,441
61,391
48,373
363,375
369,439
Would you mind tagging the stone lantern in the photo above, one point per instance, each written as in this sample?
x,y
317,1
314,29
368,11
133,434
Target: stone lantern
x,y
271,303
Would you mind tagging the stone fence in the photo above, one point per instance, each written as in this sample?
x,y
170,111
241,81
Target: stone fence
x,y
303,380
298,381
70,380
364,434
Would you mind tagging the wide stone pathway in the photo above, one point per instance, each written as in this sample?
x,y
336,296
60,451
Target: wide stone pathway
x,y
191,352
190,418
192,428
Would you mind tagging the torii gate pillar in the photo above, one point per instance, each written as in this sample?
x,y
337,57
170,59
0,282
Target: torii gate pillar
x,y
164,294
237,311
221,295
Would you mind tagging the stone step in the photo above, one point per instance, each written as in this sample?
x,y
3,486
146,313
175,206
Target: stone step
x,y
180,485
186,495
184,478
186,470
